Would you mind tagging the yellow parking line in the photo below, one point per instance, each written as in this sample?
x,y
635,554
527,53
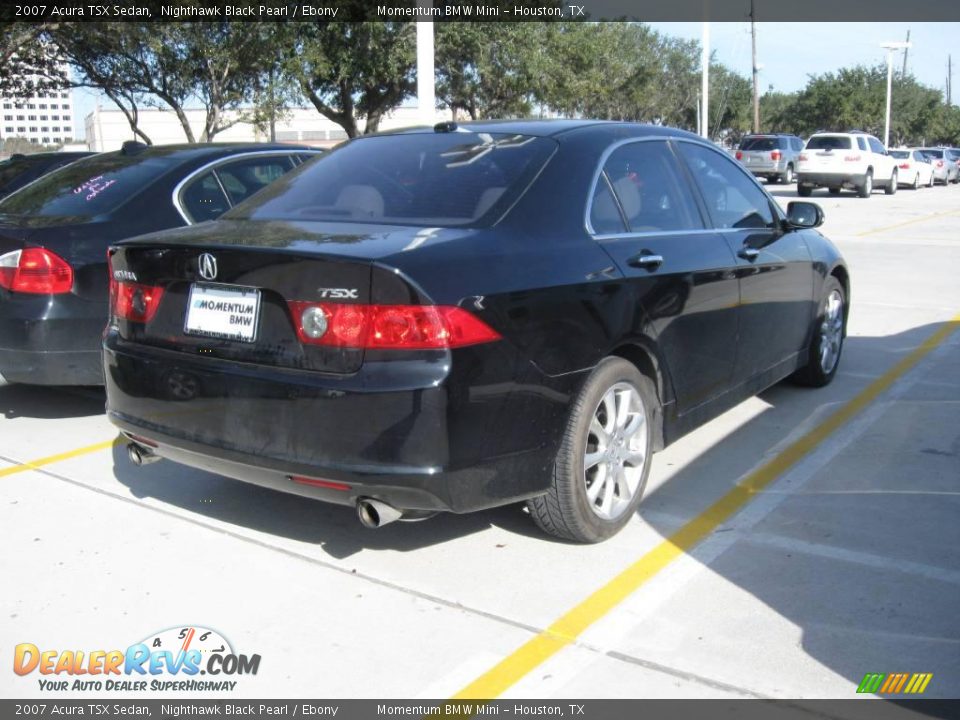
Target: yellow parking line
x,y
925,218
23,467
569,626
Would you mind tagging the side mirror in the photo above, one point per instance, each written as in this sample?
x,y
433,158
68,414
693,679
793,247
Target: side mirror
x,y
804,214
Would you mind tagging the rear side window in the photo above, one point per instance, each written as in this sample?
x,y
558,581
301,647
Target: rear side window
x,y
649,188
761,144
436,179
935,154
829,142
89,187
733,198
243,178
204,199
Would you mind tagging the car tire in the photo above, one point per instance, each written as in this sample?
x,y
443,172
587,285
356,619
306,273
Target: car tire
x,y
804,190
891,188
834,190
930,182
916,181
567,510
826,344
787,177
867,187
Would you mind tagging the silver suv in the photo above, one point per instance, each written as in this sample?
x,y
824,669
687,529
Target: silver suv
x,y
771,156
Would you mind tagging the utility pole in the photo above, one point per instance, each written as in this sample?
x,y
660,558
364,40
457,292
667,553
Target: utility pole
x,y
756,72
906,52
949,80
705,82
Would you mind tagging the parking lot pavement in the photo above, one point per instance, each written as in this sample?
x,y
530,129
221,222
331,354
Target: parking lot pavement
x,y
842,563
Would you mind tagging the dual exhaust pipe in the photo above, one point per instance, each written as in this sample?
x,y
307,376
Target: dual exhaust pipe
x,y
375,514
140,455
371,513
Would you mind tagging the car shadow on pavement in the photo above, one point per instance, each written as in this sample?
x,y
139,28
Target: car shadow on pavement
x,y
49,403
335,528
843,560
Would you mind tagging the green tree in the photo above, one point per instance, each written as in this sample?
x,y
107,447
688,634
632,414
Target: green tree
x,y
224,67
352,71
28,63
489,69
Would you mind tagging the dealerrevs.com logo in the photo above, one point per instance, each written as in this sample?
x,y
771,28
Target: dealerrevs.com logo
x,y
173,660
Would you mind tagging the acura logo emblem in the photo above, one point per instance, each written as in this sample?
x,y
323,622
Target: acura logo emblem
x,y
208,266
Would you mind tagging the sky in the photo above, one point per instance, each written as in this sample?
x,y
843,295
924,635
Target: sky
x,y
790,52
787,52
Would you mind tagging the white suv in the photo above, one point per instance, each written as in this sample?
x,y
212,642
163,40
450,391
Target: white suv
x,y
853,160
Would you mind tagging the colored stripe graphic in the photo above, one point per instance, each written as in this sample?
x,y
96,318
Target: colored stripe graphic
x,y
894,683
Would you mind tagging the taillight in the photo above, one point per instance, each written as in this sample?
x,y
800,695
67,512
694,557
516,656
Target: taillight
x,y
37,271
803,157
904,166
388,327
739,155
851,158
775,155
134,301
939,163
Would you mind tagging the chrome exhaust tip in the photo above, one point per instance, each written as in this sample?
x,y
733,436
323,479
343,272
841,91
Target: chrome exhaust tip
x,y
375,514
140,455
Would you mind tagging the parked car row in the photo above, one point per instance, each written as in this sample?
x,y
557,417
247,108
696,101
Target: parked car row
x,y
851,160
435,319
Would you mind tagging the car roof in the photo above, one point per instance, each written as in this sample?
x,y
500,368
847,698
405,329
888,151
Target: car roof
x,y
190,151
540,128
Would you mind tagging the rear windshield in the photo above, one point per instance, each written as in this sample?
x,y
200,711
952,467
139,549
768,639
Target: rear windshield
x,y
828,142
901,154
760,144
94,186
938,154
434,179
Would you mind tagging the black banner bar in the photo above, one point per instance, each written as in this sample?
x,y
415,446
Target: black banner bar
x,y
853,11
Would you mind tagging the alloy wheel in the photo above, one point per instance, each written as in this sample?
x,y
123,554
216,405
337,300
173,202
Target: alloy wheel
x,y
831,332
616,451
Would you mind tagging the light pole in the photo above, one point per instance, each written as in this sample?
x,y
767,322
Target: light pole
x,y
890,47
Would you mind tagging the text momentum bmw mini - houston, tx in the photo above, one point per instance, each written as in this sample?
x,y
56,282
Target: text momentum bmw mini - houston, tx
x,y
458,317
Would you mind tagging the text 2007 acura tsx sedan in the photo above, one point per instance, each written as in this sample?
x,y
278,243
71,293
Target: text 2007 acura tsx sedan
x,y
458,317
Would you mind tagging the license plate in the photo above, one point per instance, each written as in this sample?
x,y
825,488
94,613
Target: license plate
x,y
223,311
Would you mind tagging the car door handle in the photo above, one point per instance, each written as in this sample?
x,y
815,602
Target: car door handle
x,y
646,261
749,253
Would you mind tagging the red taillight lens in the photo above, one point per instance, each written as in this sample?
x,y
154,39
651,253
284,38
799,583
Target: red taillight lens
x,y
775,155
904,166
388,327
939,163
133,301
739,155
37,271
851,158
803,157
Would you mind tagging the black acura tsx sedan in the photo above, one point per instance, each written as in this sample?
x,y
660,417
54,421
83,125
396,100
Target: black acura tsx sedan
x,y
464,316
54,235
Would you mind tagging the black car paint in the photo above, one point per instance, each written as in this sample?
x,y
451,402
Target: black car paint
x,y
20,170
55,339
478,426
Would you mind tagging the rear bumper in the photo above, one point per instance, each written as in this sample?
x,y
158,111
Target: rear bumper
x,y
765,169
425,437
50,340
825,179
